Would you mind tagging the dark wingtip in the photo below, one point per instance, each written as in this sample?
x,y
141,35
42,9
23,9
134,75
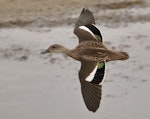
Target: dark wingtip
x,y
92,95
83,9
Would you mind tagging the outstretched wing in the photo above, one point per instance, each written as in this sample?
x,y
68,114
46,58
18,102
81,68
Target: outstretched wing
x,y
91,90
85,28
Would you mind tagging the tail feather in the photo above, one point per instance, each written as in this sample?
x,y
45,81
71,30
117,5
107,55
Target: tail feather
x,y
116,55
91,95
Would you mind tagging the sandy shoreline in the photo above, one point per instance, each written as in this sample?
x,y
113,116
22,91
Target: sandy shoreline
x,y
46,13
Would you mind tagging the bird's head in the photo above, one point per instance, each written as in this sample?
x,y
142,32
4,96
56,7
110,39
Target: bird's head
x,y
56,48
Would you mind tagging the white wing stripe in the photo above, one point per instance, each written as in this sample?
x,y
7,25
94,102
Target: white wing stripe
x,y
87,29
91,75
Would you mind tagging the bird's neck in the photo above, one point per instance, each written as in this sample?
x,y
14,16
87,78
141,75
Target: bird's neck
x,y
72,54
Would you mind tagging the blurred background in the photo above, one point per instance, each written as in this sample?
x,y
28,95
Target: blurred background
x,y
35,86
57,12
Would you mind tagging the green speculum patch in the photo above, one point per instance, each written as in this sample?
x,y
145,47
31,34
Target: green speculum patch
x,y
98,38
101,64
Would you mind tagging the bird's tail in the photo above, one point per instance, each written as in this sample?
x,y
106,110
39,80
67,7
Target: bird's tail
x,y
116,55
92,95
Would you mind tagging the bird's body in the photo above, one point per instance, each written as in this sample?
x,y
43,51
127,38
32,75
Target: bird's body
x,y
92,54
85,50
91,51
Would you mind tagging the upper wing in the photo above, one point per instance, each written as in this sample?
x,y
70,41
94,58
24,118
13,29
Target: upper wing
x,y
85,28
82,32
91,91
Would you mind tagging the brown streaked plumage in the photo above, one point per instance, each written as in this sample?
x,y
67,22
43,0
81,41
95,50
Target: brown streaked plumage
x,y
89,52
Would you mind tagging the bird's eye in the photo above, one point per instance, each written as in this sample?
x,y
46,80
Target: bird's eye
x,y
53,46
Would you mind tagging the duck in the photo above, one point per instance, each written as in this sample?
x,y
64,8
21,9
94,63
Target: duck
x,y
92,54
